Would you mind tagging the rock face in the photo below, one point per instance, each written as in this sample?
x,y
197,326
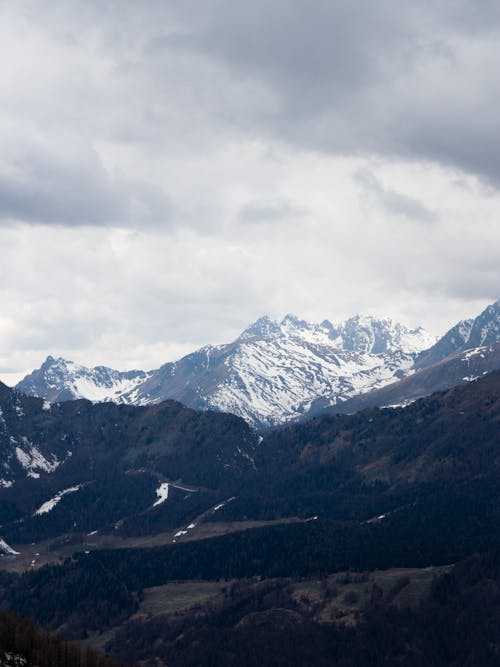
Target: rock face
x,y
62,380
270,374
482,331
468,351
276,372
455,369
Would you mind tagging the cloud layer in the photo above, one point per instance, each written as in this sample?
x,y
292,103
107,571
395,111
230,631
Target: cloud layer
x,y
171,171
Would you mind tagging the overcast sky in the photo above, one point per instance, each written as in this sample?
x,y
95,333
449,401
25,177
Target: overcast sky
x,y
171,170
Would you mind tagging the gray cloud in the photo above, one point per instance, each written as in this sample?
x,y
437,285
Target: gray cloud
x,y
393,78
172,170
44,184
393,202
269,211
401,79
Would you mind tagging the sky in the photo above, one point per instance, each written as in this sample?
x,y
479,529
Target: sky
x,y
172,170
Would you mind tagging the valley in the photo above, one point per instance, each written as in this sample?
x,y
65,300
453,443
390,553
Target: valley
x,y
148,531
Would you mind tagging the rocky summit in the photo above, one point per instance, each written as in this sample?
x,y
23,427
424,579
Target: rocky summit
x,y
272,373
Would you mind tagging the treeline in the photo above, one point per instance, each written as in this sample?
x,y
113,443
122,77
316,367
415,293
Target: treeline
x,y
263,625
107,441
76,600
118,503
456,433
96,505
180,508
93,591
23,638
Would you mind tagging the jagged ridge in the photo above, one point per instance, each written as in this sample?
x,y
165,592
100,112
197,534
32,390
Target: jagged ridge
x,y
270,374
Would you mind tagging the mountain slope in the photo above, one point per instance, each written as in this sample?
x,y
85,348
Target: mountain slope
x,y
62,380
458,368
466,352
81,465
482,331
270,374
448,436
383,488
412,487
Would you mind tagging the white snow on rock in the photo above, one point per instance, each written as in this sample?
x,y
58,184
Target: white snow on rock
x,y
49,505
404,404
162,493
180,533
6,549
469,354
275,378
223,504
272,373
76,381
32,460
8,659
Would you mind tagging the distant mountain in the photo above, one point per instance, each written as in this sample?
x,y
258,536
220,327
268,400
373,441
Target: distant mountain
x,y
466,352
369,335
62,380
482,331
458,368
272,373
278,372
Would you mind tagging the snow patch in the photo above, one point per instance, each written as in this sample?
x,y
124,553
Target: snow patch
x,y
162,493
49,505
221,505
404,404
31,458
474,352
7,549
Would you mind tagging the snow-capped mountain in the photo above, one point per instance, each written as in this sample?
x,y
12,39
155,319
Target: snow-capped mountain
x,y
62,380
368,335
482,331
468,351
270,374
275,370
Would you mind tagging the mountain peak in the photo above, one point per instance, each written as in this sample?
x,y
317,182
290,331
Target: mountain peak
x,y
466,334
369,334
274,370
51,362
264,326
290,318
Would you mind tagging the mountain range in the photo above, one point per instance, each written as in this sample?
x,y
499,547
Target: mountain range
x,y
106,508
172,532
77,466
277,372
